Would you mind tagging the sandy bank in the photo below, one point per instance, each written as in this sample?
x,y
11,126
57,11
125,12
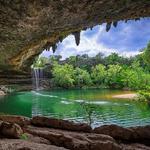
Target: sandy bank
x,y
125,96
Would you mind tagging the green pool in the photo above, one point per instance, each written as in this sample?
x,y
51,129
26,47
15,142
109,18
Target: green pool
x,y
95,107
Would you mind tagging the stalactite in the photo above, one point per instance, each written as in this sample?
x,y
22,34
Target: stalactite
x,y
77,37
54,47
61,38
47,46
136,19
108,26
85,28
115,24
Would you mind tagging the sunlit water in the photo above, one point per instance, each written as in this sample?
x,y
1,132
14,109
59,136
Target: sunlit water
x,y
95,107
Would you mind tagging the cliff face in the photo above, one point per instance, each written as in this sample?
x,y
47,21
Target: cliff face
x,y
28,27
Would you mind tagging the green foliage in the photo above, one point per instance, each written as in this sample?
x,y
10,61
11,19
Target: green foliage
x,y
24,136
144,96
98,74
40,62
82,78
89,110
66,76
63,75
113,59
146,54
112,71
129,78
113,77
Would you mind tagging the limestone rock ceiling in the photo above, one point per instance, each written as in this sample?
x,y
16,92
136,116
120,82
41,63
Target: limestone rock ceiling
x,y
27,27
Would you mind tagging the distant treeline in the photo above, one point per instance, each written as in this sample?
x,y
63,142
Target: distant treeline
x,y
111,71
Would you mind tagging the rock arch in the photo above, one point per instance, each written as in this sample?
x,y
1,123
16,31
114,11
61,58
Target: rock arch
x,y
28,27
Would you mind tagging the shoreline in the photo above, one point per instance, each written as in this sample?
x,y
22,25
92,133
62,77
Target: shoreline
x,y
125,96
18,132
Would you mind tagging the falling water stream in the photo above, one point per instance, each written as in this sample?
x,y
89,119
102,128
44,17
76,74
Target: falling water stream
x,y
37,78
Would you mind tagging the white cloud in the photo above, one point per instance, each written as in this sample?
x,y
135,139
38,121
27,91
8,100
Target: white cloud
x,y
120,40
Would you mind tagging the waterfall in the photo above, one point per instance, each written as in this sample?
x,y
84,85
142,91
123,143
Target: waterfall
x,y
37,78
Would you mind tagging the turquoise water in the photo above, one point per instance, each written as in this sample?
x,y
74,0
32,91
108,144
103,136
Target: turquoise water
x,y
95,107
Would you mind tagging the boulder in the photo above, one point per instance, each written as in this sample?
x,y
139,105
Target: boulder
x,y
141,132
115,131
10,130
60,124
56,138
75,140
20,120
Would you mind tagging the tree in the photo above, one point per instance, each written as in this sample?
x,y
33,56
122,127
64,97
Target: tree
x,y
63,75
82,78
112,59
40,62
134,77
98,74
146,54
113,77
113,71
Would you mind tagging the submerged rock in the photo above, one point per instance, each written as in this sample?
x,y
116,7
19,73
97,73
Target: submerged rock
x,y
60,124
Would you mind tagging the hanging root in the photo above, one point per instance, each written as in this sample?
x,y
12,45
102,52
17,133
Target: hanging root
x,y
77,37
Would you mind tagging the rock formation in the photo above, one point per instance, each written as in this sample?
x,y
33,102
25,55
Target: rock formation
x,y
49,133
29,27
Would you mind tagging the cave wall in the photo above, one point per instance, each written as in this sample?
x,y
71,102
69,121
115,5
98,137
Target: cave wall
x,y
27,27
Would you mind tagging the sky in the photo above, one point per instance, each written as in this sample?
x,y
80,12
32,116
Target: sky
x,y
127,39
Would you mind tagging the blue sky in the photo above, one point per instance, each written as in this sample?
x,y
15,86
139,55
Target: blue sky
x,y
127,40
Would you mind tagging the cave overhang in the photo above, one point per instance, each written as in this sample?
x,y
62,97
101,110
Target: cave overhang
x,y
29,27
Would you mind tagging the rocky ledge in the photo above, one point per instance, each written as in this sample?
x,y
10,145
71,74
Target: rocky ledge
x,y
21,133
29,27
